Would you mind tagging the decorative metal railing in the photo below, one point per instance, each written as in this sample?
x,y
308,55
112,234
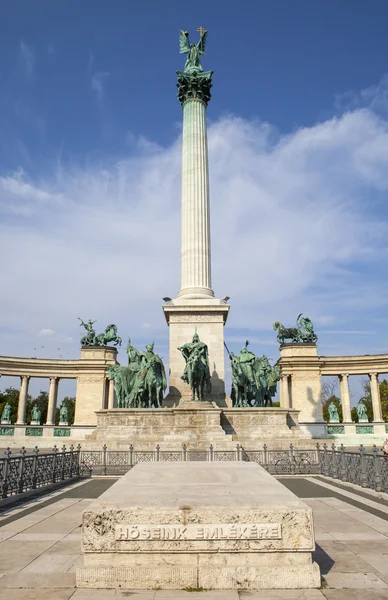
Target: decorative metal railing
x,y
28,471
368,469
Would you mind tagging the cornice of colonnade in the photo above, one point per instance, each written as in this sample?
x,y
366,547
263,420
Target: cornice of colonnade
x,y
13,366
337,365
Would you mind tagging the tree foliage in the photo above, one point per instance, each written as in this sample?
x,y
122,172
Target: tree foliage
x,y
42,402
69,402
10,396
366,398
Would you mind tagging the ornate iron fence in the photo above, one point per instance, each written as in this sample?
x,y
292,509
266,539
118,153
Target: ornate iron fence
x,y
23,472
362,468
28,471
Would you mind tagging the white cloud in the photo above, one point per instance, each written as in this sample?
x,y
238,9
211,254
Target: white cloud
x,y
45,332
292,231
98,85
26,59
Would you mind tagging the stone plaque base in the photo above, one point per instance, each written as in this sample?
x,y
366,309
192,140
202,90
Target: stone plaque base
x,y
198,525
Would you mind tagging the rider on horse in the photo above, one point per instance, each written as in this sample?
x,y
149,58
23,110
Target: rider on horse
x,y
190,351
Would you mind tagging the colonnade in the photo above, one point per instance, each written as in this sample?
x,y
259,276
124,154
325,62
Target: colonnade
x,y
286,394
108,400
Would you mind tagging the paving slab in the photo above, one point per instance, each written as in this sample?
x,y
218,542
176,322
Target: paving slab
x,y
34,594
336,579
282,595
14,556
364,594
51,563
205,595
40,581
95,595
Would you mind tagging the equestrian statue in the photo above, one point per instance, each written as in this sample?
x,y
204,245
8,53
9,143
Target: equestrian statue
x,y
303,333
253,379
142,383
102,339
197,372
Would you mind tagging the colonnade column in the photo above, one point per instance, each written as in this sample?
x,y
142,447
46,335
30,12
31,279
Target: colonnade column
x,y
375,393
22,400
284,391
52,401
345,398
111,393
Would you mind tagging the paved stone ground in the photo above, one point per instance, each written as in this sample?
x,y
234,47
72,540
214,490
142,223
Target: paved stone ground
x,y
40,547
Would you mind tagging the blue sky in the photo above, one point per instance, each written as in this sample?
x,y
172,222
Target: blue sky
x,y
90,169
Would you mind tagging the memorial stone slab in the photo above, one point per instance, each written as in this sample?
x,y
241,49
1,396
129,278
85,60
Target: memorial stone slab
x,y
198,525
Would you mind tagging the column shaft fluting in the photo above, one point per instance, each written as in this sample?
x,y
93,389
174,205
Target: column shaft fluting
x,y
375,393
22,400
345,398
111,393
52,401
195,242
284,391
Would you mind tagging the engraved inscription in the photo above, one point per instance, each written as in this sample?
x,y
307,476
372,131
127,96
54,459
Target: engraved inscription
x,y
238,531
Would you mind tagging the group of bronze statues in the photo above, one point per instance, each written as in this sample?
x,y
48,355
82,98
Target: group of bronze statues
x,y
142,383
253,379
101,339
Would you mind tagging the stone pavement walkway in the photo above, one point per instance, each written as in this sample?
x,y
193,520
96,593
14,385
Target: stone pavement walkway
x,y
40,547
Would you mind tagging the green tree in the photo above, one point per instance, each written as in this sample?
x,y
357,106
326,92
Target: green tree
x,y
69,402
10,396
325,408
42,402
367,400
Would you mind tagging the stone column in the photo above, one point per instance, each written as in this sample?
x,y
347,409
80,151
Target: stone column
x,y
284,391
375,393
345,397
22,400
111,394
195,234
52,402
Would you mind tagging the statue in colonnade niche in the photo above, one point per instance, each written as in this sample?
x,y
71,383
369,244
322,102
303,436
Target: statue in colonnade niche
x,y
361,412
102,339
302,333
6,415
63,415
197,372
36,415
143,382
333,413
253,379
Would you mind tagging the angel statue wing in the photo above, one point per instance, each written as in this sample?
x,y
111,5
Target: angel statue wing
x,y
202,42
184,46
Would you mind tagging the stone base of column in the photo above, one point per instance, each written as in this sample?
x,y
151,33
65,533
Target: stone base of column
x,y
185,316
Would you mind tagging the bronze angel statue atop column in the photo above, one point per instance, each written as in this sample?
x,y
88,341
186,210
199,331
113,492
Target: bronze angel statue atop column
x,y
193,51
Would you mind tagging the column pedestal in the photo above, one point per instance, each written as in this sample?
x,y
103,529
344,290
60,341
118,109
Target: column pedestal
x,y
91,388
301,361
208,318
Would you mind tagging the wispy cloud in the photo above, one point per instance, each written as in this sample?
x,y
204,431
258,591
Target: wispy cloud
x,y
26,59
98,86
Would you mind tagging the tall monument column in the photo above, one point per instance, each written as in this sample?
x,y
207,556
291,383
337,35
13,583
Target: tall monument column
x,y
195,235
195,310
